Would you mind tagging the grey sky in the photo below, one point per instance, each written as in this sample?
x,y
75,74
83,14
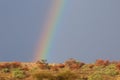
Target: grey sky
x,y
20,25
87,30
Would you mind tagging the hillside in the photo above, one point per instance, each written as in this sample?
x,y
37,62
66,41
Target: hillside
x,y
69,70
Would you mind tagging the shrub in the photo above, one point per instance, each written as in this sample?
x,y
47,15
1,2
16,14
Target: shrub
x,y
15,65
42,64
95,76
111,70
43,61
17,73
108,70
101,62
5,65
73,64
54,68
61,65
5,70
70,62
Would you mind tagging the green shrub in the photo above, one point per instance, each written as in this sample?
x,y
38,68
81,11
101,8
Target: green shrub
x,y
5,70
17,73
110,70
95,76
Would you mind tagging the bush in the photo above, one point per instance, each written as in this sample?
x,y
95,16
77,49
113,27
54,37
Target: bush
x,y
101,62
5,70
5,65
17,73
15,65
111,70
95,76
74,64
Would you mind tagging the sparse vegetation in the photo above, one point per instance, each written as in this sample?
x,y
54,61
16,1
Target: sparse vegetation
x,y
69,70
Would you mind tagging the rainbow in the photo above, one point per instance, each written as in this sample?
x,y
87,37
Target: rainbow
x,y
44,44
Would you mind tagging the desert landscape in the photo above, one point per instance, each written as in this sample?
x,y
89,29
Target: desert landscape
x,y
71,69
59,39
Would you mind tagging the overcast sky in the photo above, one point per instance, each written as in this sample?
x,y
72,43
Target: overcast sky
x,y
87,30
